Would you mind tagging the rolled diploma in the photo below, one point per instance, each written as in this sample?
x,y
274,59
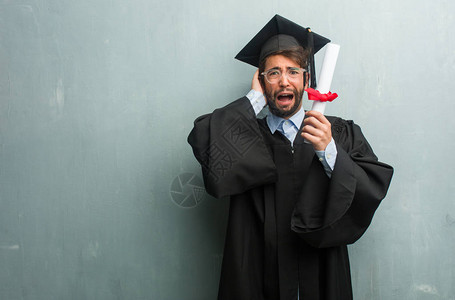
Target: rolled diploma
x,y
326,74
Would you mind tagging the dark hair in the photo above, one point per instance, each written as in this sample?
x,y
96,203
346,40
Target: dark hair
x,y
297,54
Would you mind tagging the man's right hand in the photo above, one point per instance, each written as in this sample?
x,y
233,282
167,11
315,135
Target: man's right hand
x,y
255,84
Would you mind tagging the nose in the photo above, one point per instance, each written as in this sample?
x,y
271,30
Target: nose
x,y
284,80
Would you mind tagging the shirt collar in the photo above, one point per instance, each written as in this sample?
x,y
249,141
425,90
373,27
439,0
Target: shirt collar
x,y
274,122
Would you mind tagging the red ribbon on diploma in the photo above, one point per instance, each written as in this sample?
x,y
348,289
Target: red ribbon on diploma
x,y
316,95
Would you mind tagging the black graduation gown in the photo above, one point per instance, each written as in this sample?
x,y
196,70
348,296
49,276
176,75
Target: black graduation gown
x,y
289,223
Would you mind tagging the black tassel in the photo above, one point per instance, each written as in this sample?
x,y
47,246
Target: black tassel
x,y
311,58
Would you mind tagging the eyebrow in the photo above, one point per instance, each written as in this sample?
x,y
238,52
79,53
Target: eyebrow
x,y
287,68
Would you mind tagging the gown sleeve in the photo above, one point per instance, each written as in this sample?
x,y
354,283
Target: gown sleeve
x,y
337,211
230,148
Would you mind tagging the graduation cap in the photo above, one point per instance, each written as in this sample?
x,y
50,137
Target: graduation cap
x,y
282,34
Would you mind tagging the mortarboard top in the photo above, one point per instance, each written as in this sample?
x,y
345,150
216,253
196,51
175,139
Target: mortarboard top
x,y
281,34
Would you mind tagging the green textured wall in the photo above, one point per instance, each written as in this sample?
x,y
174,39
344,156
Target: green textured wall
x,y
100,197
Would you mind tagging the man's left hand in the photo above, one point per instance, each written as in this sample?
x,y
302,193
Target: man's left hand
x,y
317,130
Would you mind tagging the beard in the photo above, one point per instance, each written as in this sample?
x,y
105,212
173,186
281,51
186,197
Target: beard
x,y
279,112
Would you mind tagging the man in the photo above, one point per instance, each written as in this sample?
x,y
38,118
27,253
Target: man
x,y
302,186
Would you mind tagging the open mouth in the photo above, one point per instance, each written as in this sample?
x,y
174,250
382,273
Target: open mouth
x,y
285,98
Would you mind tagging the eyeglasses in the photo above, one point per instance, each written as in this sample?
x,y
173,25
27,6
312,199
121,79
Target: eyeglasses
x,y
274,75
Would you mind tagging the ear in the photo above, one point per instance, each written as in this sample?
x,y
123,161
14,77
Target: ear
x,y
306,79
262,82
